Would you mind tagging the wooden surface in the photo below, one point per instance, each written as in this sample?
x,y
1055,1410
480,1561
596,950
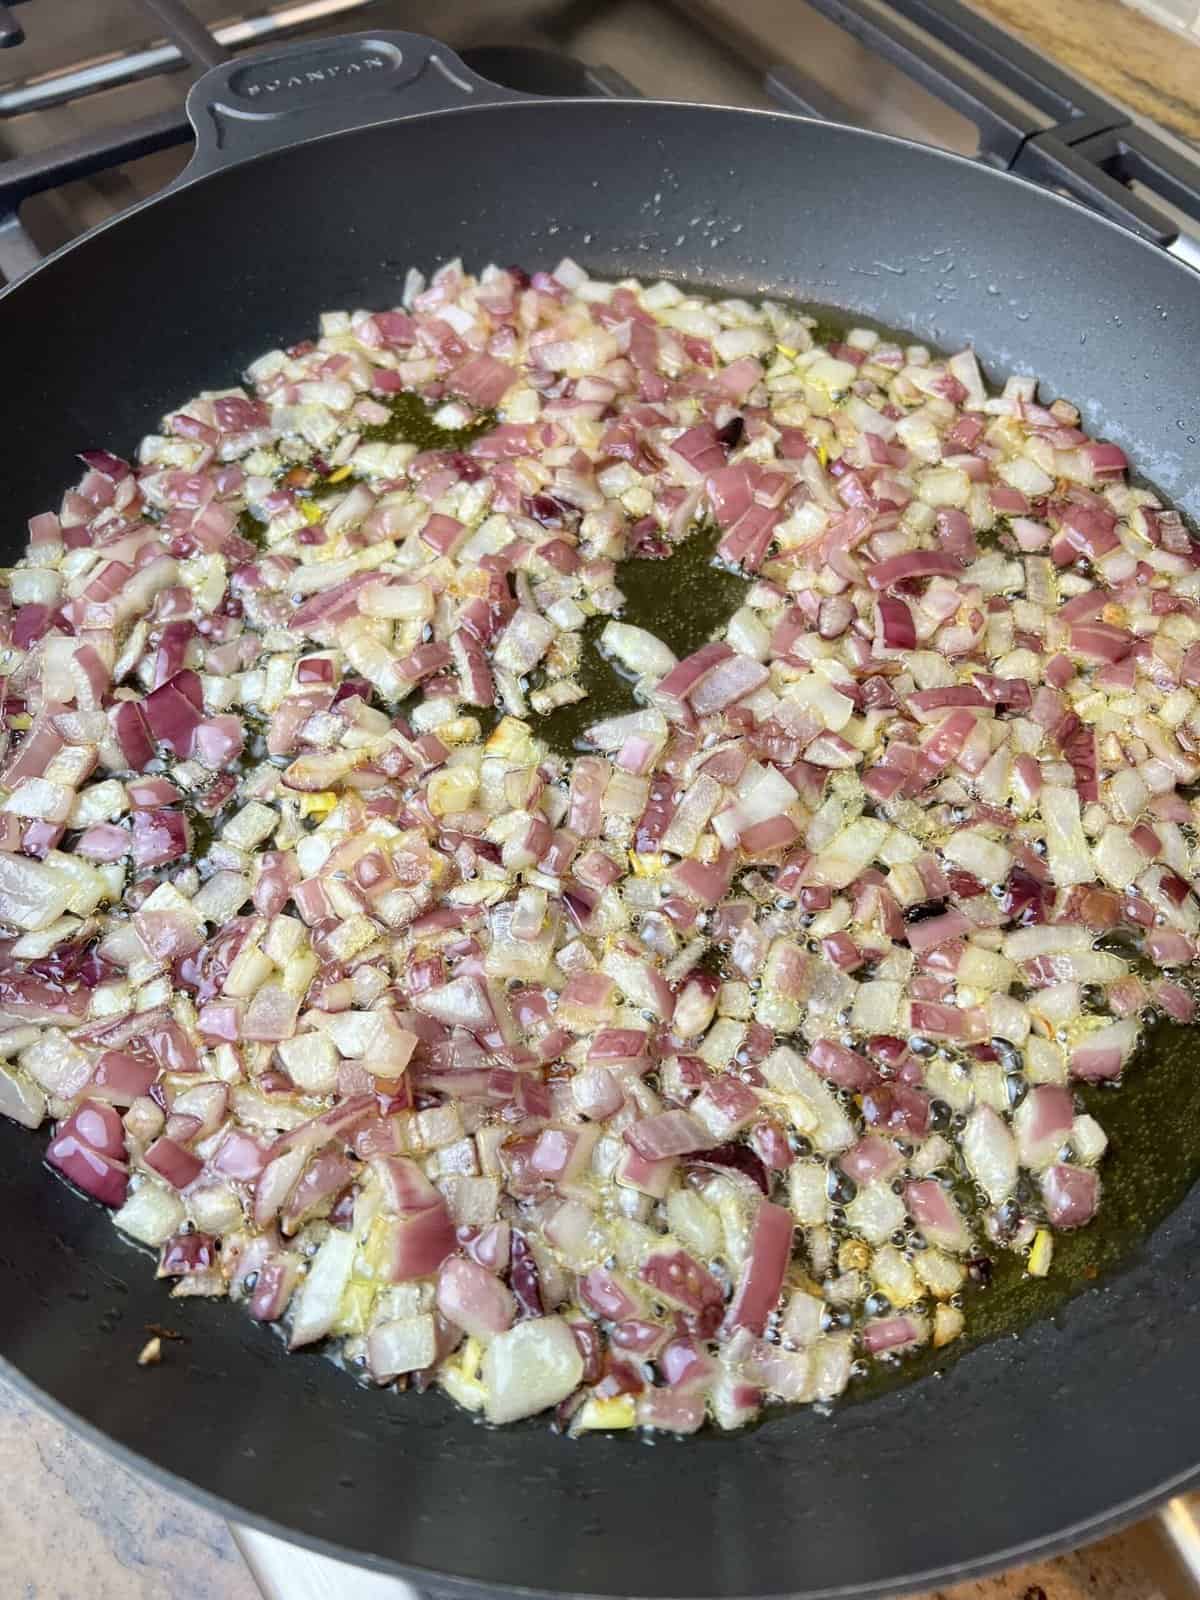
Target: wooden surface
x,y
1120,51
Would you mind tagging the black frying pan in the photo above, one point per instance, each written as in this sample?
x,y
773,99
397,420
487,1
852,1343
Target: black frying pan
x,y
1023,1446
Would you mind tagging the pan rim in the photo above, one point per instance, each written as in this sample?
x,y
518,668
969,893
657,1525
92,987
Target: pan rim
x,y
186,181
1082,1532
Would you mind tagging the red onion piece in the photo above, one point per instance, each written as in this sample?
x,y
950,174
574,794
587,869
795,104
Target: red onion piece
x,y
239,1156
483,380
524,1276
935,1214
890,1333
680,1280
417,1243
121,1078
914,564
159,836
842,1066
473,1299
670,1133
604,1293
174,710
186,1253
171,1161
326,1175
1071,1195
761,1280
872,1159
98,1175
1043,1124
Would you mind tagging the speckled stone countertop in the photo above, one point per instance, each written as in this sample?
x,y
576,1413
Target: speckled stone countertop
x,y
1120,51
74,1525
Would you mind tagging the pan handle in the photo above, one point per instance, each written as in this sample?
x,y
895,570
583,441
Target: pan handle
x,y
272,99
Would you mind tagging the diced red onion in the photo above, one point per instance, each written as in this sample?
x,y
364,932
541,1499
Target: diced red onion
x,y
171,1161
1071,1195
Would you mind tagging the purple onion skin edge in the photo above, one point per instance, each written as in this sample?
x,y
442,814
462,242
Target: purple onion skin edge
x,y
738,1156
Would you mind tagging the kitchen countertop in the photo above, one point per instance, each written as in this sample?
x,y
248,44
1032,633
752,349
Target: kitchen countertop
x,y
74,1525
1123,53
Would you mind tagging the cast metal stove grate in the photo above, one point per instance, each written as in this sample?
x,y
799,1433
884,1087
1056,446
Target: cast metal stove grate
x,y
92,120
95,103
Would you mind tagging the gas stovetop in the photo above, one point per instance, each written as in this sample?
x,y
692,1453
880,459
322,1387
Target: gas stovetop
x,y
92,120
92,117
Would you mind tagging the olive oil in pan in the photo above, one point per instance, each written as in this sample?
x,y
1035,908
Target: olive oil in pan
x,y
251,529
1153,1124
682,599
411,422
